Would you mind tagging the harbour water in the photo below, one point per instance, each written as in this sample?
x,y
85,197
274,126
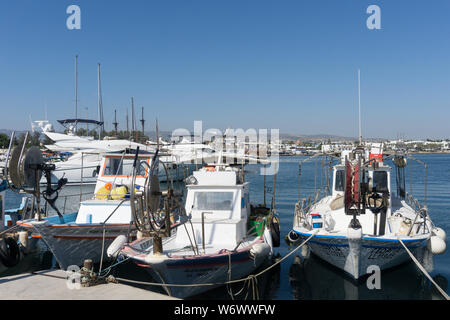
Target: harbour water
x,y
311,278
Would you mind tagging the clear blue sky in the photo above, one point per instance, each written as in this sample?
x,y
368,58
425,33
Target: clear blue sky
x,y
287,64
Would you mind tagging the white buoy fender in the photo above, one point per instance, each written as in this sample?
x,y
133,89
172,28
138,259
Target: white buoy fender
x,y
354,234
438,232
260,250
23,238
116,246
436,245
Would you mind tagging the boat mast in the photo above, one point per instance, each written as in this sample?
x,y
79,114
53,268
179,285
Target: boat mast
x,y
128,129
87,124
133,121
142,122
99,102
76,90
359,106
115,121
157,135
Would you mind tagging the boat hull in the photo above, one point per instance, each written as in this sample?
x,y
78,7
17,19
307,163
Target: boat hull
x,y
357,257
72,243
196,271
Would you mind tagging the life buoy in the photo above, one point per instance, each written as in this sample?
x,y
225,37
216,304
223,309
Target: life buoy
x,y
210,168
9,252
274,227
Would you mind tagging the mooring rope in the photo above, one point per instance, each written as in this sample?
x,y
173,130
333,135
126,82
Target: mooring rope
x,y
424,271
251,278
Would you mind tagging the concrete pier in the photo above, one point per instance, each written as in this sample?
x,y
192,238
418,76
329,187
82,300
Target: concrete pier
x,y
52,285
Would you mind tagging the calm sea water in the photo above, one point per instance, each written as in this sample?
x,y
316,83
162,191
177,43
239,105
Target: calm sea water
x,y
311,278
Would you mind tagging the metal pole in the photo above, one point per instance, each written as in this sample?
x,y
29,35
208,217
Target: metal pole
x,y
87,124
81,178
203,232
133,122
76,90
38,195
265,184
99,102
142,122
9,150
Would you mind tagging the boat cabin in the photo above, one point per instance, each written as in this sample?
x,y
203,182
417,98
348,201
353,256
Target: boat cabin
x,y
112,187
374,220
378,174
218,202
380,179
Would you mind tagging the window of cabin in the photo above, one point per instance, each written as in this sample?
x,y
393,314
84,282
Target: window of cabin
x,y
204,200
340,180
122,167
380,181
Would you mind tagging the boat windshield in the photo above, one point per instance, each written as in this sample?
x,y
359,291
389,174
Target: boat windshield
x,y
206,200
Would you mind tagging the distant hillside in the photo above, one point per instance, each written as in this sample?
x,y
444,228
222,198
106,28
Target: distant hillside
x,y
283,136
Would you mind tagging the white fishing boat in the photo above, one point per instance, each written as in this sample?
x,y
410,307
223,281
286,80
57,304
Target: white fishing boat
x,y
225,238
364,221
85,234
362,224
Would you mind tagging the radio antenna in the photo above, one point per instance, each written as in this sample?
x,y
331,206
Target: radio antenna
x,y
359,106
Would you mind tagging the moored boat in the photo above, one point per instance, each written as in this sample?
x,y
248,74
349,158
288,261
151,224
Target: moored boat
x,y
364,223
85,234
224,239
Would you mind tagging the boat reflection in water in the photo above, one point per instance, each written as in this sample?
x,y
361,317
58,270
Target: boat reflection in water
x,y
266,287
314,279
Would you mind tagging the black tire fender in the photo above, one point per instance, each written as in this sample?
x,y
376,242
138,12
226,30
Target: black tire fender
x,y
9,252
274,227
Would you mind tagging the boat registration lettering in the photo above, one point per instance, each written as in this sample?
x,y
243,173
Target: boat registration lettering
x,y
333,251
382,253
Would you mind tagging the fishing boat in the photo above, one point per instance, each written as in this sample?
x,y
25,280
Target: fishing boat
x,y
10,253
85,234
364,222
224,238
13,246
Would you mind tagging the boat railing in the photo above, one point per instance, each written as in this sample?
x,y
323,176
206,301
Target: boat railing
x,y
65,197
321,187
421,211
304,206
412,202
